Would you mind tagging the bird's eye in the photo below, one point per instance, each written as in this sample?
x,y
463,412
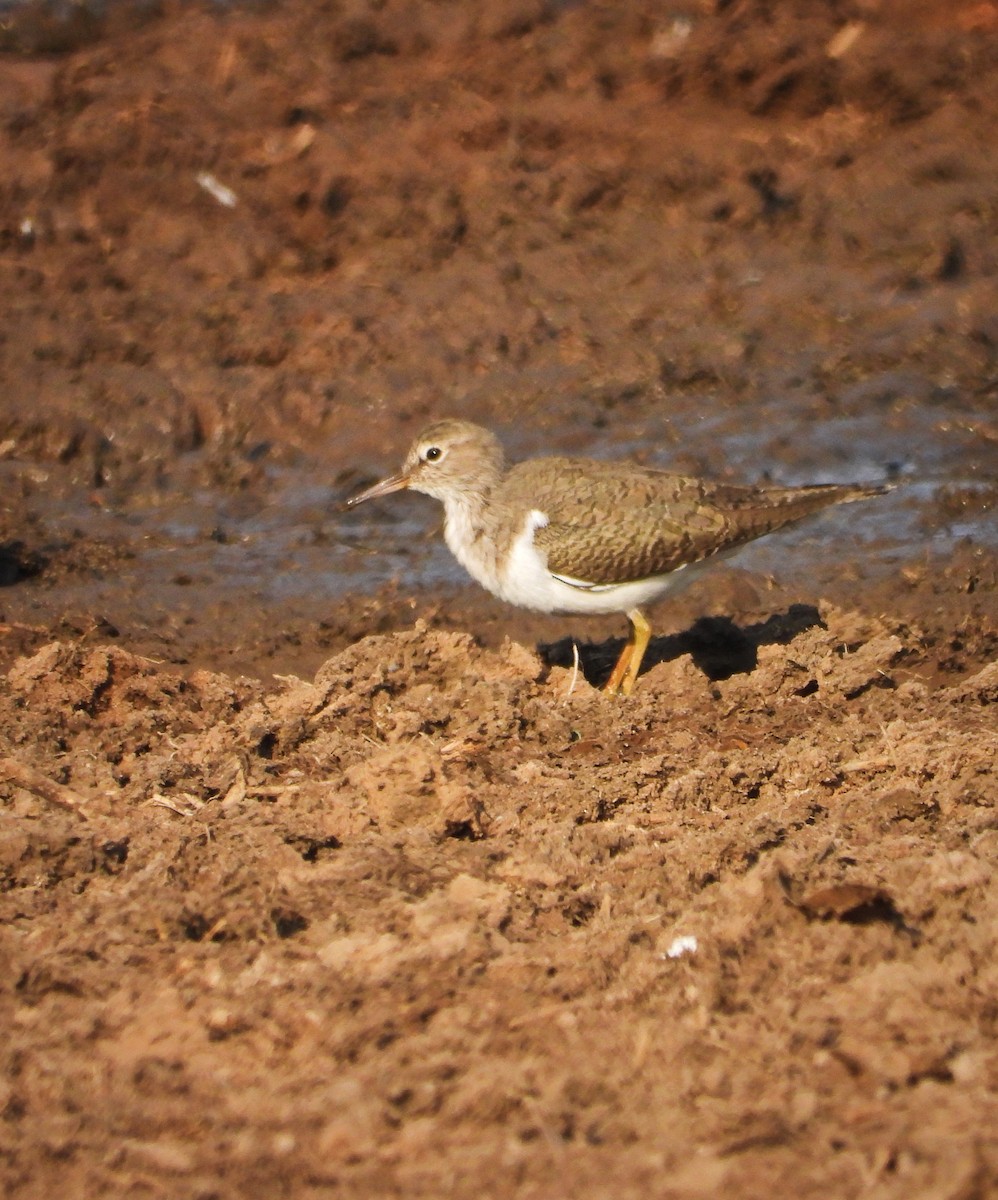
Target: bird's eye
x,y
432,454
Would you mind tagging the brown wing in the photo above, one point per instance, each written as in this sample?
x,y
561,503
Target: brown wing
x,y
610,523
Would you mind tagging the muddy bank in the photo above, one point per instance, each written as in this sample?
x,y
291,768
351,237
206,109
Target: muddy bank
x,y
448,918
322,871
731,243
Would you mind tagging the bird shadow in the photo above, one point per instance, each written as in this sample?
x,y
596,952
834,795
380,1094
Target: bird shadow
x,y
718,646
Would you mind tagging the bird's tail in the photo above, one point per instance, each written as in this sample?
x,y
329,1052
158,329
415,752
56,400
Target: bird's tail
x,y
774,508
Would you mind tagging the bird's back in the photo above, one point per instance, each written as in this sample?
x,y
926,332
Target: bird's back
x,y
609,522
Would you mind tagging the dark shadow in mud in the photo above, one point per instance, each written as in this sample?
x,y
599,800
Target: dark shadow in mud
x,y
18,562
718,646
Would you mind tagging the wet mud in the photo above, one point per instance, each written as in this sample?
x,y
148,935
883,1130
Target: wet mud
x,y
323,872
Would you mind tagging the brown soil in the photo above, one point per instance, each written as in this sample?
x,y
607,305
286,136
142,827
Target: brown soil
x,y
333,889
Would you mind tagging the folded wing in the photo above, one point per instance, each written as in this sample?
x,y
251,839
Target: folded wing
x,y
625,523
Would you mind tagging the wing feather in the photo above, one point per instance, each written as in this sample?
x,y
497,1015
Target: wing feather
x,y
612,523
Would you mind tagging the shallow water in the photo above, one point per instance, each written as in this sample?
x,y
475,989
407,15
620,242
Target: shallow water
x,y
292,540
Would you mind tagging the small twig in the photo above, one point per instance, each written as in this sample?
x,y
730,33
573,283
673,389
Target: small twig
x,y
575,669
47,789
183,804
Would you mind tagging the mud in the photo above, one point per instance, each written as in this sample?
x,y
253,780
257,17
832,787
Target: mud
x,y
324,873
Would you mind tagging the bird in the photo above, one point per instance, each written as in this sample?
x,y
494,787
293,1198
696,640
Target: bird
x,y
578,535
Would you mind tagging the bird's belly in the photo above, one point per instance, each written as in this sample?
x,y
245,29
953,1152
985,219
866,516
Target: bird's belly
x,y
522,577
527,582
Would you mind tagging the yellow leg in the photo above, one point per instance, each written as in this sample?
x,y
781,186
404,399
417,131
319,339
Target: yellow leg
x,y
612,685
641,636
624,674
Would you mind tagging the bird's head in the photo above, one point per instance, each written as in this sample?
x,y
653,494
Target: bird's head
x,y
449,460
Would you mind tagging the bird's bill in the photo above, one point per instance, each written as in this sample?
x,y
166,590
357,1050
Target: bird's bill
x,y
394,483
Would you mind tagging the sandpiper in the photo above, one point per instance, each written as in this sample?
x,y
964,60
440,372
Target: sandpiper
x,y
570,535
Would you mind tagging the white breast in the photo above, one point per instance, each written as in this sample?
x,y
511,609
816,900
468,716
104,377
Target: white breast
x,y
466,540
